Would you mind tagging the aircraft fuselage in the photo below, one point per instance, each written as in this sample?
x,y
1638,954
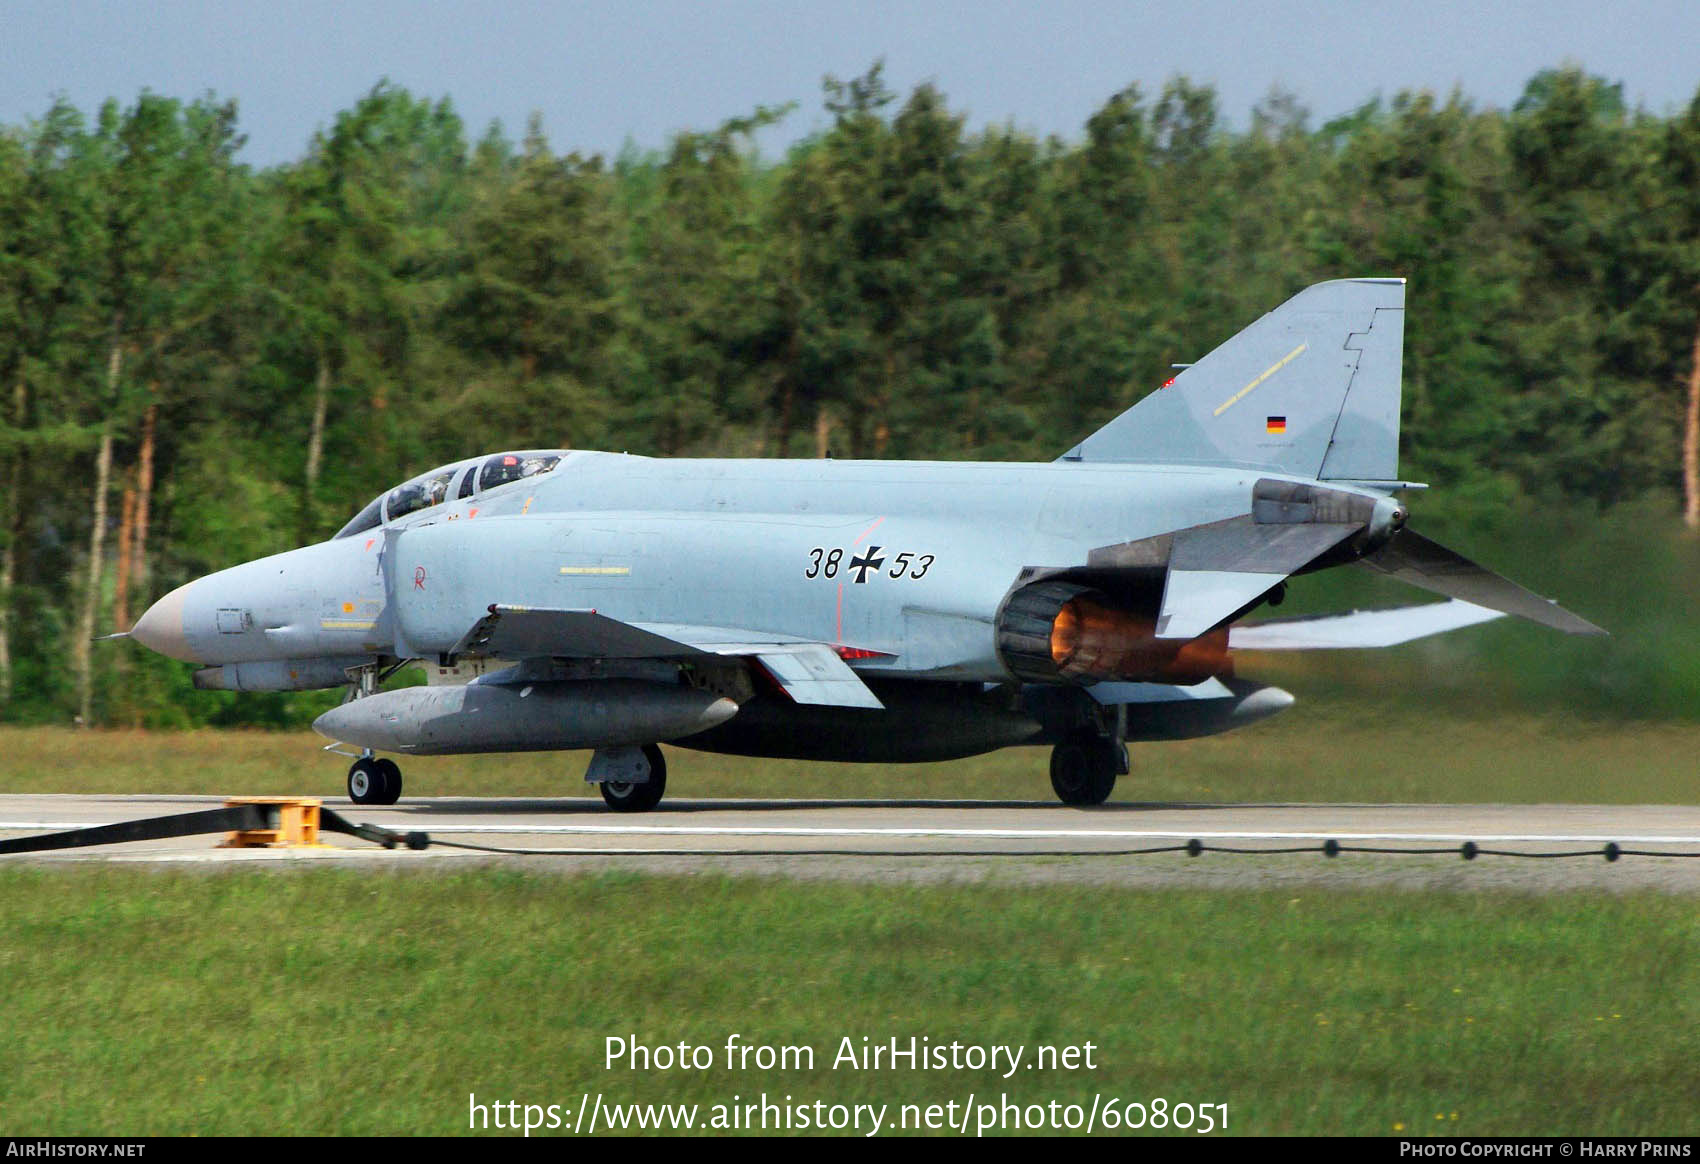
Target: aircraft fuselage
x,y
907,561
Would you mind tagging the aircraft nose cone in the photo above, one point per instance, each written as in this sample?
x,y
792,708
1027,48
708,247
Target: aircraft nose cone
x,y
161,627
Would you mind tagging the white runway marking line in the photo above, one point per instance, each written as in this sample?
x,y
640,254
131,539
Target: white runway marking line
x,y
980,834
1050,834
988,834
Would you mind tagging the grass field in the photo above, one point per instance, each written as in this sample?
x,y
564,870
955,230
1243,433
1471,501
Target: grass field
x,y
335,1001
1322,750
331,1001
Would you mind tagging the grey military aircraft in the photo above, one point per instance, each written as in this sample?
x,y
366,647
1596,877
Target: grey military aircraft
x,y
864,610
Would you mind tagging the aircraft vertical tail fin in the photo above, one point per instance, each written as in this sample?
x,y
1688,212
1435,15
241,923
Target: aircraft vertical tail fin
x,y
1311,389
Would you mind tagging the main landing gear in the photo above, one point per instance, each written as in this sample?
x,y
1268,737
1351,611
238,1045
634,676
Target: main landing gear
x,y
1084,768
374,781
633,796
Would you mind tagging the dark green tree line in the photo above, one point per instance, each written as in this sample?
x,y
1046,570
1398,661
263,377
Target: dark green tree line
x,y
202,363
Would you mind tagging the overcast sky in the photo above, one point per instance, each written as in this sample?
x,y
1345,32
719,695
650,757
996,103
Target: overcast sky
x,y
603,73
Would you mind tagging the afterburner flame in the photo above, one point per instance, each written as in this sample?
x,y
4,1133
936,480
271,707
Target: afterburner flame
x,y
1092,641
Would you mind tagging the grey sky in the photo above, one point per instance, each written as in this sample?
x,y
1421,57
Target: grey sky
x,y
602,72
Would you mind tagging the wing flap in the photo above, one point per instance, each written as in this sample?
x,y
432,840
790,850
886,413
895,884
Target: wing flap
x,y
812,673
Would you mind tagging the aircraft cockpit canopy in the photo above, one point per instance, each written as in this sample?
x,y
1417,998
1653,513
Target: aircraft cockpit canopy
x,y
421,493
433,488
505,467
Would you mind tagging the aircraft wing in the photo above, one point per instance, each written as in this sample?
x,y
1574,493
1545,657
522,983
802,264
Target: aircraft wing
x,y
522,632
1359,628
810,672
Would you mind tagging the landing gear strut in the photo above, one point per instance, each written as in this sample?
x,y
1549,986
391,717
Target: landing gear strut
x,y
622,796
374,781
1084,768
370,780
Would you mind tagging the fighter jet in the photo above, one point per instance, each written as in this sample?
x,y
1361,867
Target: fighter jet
x,y
864,610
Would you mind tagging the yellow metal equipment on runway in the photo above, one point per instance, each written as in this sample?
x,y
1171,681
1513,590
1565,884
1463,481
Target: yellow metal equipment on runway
x,y
295,823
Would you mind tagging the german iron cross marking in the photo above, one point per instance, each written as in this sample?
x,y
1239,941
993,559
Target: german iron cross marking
x,y
872,560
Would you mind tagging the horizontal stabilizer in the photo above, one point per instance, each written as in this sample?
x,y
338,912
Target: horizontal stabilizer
x,y
1359,628
1414,559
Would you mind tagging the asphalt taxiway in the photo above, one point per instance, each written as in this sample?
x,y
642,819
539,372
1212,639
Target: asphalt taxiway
x,y
958,839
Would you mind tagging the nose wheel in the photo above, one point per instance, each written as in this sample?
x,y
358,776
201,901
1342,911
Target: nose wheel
x,y
374,781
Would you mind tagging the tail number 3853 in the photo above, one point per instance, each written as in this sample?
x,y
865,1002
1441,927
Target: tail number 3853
x,y
829,562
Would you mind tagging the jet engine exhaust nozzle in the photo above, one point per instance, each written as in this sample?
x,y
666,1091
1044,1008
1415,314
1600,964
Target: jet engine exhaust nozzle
x,y
1060,632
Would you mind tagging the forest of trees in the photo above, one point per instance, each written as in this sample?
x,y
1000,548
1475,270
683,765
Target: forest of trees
x,y
202,363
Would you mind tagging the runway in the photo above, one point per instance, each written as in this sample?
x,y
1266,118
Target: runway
x,y
955,840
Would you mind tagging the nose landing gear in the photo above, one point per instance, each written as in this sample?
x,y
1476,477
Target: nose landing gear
x,y
370,780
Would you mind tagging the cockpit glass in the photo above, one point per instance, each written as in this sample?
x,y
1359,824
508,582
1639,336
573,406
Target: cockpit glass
x,y
419,494
505,467
433,488
369,518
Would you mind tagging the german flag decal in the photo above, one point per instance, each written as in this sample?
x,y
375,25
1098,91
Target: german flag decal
x,y
1276,425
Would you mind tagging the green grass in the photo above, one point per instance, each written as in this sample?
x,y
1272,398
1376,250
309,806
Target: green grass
x,y
1327,749
333,1001
142,1002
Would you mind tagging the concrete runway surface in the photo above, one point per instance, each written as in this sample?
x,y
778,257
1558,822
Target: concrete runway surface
x,y
954,840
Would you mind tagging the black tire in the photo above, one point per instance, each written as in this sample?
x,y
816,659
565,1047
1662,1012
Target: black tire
x,y
639,797
1083,769
366,782
390,773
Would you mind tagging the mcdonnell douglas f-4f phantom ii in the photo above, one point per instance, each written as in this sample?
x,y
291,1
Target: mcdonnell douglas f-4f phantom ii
x,y
864,610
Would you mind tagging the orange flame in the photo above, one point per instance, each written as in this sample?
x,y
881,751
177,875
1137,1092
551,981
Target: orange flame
x,y
1093,641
